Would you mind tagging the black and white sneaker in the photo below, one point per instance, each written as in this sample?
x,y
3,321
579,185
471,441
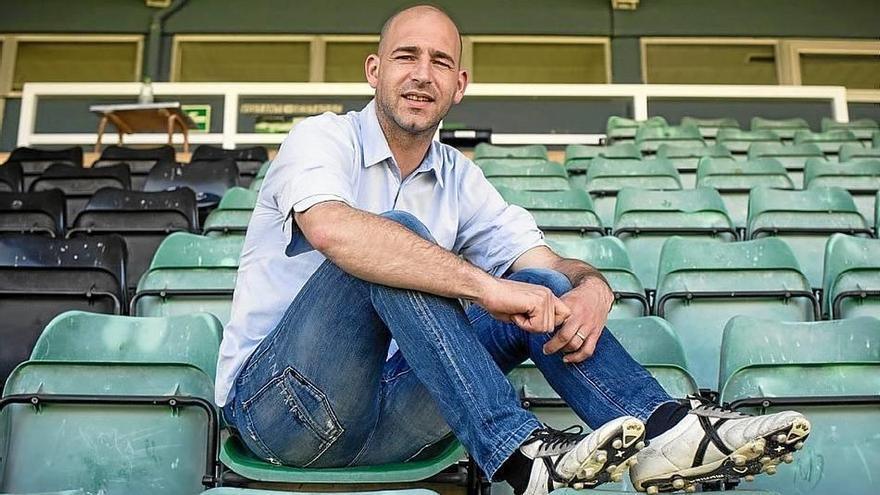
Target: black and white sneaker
x,y
717,444
551,459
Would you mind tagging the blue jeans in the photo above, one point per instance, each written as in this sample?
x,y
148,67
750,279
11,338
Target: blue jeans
x,y
318,391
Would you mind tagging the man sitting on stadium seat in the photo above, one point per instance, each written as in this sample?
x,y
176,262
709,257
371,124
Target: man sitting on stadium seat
x,y
347,343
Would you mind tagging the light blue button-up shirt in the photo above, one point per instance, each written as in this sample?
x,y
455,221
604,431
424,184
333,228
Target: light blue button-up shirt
x,y
346,158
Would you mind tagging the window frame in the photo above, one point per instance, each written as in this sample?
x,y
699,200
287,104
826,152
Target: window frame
x,y
468,42
792,49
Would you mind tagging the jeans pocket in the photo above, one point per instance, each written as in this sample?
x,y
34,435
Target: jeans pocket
x,y
289,420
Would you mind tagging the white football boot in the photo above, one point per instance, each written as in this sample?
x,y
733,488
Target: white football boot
x,y
563,459
716,444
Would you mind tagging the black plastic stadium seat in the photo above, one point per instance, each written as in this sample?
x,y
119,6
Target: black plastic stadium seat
x,y
139,160
11,177
78,184
36,212
143,219
248,160
42,277
35,161
209,179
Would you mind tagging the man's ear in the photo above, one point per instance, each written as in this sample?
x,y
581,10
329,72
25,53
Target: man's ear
x,y
463,79
371,70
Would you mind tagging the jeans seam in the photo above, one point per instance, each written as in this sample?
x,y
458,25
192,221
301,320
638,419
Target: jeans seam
x,y
504,449
604,391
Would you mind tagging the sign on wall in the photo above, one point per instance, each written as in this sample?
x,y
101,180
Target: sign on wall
x,y
200,115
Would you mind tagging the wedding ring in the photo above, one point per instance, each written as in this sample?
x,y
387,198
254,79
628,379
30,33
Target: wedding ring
x,y
578,333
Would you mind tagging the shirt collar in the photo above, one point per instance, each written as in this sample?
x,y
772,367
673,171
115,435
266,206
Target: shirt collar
x,y
376,149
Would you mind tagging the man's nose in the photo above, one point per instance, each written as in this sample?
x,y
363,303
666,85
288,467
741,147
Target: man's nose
x,y
422,71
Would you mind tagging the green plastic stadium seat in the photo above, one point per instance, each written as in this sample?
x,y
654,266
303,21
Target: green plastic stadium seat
x,y
133,428
829,142
253,491
734,180
564,216
258,179
851,285
190,274
232,214
643,220
622,129
792,156
709,127
875,141
852,151
526,174
861,178
877,214
79,336
829,371
702,284
609,256
784,128
650,138
862,128
805,220
738,141
485,151
579,156
685,159
606,177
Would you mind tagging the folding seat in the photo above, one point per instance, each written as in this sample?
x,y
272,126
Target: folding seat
x,y
486,151
11,177
862,128
738,141
734,180
564,216
190,274
861,178
209,180
114,428
792,156
232,214
649,139
805,220
830,372
78,184
143,219
35,161
36,213
258,179
852,151
77,336
643,220
42,277
139,160
606,177
709,127
526,174
685,159
829,142
702,284
851,283
609,256
784,128
623,129
248,160
579,156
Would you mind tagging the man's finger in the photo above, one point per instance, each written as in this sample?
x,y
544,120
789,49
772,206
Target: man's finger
x,y
562,310
561,339
586,350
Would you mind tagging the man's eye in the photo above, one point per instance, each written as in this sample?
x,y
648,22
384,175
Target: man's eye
x,y
443,64
405,57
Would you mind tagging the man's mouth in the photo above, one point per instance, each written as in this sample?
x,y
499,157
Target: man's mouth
x,y
418,97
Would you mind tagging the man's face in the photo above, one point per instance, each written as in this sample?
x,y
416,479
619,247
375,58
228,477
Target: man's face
x,y
416,73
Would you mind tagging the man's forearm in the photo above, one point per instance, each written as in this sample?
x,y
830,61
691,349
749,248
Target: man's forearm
x,y
578,272
380,250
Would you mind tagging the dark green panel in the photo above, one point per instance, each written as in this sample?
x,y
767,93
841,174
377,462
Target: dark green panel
x,y
204,61
626,67
710,64
539,63
80,16
810,18
9,126
344,61
863,111
74,62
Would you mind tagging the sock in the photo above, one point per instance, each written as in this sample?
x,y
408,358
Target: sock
x,y
664,418
516,471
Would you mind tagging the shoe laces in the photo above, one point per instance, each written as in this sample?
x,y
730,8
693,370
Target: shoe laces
x,y
559,440
709,406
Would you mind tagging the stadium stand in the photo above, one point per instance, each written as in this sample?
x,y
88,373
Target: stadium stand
x,y
851,284
623,129
784,128
792,156
11,177
35,161
37,213
643,220
248,160
578,156
832,377
737,141
606,177
232,214
735,179
709,127
649,138
804,219
525,173
685,159
78,184
861,178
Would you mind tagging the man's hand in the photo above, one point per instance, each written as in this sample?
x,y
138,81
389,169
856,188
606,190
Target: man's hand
x,y
589,302
534,308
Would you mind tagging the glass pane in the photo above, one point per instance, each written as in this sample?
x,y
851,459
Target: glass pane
x,y
539,63
852,71
243,61
344,61
711,64
64,61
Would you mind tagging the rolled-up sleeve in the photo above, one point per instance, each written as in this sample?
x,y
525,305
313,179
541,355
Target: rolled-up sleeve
x,y
492,233
314,164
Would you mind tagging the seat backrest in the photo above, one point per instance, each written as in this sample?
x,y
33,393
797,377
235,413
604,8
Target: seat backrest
x,y
851,264
33,212
163,153
209,179
710,127
785,128
729,175
738,141
533,151
624,127
649,340
771,150
238,198
604,253
208,152
79,336
855,151
672,151
668,133
871,125
526,167
831,208
78,181
11,177
135,211
72,155
610,175
678,208
829,141
857,175
182,250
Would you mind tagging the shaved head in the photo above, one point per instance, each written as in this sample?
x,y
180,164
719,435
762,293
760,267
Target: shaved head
x,y
416,11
